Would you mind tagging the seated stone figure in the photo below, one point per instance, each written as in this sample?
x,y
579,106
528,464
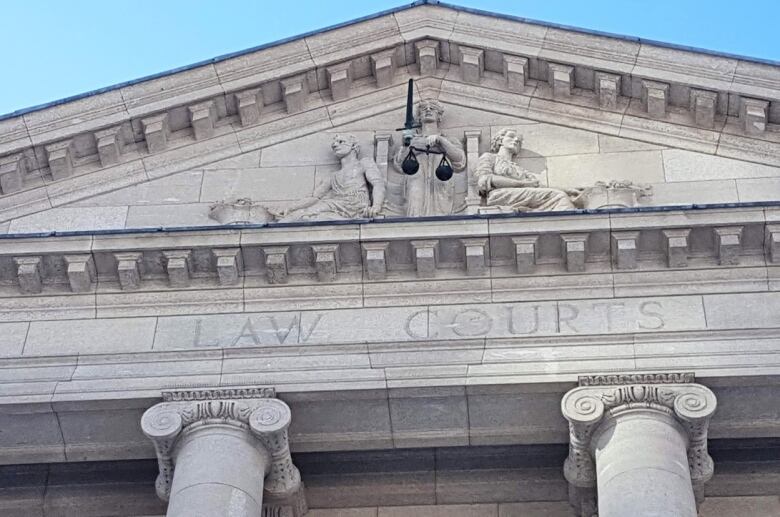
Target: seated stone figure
x,y
504,183
346,194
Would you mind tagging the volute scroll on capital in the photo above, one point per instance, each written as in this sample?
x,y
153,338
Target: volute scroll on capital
x,y
587,407
267,419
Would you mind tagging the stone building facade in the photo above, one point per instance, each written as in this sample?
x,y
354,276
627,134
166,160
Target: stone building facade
x,y
215,298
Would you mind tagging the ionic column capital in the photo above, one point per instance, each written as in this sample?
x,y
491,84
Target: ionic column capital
x,y
587,407
251,410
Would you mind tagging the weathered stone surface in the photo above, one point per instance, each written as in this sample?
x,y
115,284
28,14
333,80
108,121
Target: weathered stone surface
x,y
440,416
454,510
170,216
580,170
90,336
70,118
383,67
81,272
304,297
561,79
550,140
551,509
664,133
13,135
71,219
746,505
696,192
12,337
613,144
686,67
189,156
33,437
97,182
318,150
156,132
130,303
109,145
748,310
649,283
177,188
47,307
171,90
331,427
523,39
23,203
248,70
655,98
760,189
703,351
687,166
342,512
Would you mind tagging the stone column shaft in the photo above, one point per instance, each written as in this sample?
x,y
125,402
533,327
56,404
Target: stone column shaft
x,y
642,466
219,471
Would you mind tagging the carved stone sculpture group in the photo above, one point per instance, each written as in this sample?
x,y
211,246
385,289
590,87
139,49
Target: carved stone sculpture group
x,y
357,190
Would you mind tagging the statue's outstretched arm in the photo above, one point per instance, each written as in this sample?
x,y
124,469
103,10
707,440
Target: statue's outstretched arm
x,y
319,192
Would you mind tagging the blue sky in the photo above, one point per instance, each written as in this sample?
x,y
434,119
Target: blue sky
x,y
54,49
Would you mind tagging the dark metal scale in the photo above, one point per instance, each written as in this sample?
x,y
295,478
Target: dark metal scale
x,y
410,165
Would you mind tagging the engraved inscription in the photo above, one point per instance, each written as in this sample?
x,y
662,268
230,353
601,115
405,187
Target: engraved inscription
x,y
472,322
500,320
653,315
410,324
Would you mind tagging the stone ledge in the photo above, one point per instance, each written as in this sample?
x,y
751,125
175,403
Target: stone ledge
x,y
642,253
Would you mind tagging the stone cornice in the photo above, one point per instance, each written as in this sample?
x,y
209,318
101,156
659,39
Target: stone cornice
x,y
628,88
374,252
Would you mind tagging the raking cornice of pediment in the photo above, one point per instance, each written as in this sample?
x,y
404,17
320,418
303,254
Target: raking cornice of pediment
x,y
625,87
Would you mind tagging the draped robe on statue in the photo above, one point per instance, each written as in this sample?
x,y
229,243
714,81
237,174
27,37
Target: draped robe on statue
x,y
345,196
521,199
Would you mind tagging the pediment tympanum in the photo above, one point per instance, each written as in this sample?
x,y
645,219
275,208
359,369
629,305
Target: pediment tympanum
x,y
429,174
581,169
702,127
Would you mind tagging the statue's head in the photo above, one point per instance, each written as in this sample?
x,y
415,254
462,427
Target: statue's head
x,y
506,137
429,110
343,144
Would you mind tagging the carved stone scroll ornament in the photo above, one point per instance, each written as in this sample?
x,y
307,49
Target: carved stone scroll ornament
x,y
240,211
257,425
591,409
615,194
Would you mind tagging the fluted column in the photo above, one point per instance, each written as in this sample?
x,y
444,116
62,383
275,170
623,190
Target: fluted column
x,y
224,452
638,445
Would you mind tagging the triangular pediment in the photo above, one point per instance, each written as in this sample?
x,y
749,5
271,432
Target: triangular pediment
x,y
283,173
581,100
